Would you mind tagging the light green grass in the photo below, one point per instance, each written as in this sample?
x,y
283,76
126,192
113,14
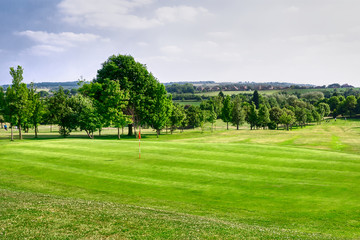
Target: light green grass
x,y
263,184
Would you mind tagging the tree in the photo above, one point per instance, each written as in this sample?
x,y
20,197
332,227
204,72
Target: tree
x,y
323,109
301,116
350,105
237,112
275,114
212,116
263,116
287,118
193,116
226,111
252,116
17,103
255,99
177,117
38,109
84,112
63,114
110,102
161,109
136,80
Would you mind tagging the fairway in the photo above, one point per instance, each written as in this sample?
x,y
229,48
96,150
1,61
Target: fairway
x,y
264,184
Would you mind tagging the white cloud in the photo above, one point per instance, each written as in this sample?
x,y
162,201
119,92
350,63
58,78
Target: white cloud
x,y
115,14
179,13
44,50
48,43
171,49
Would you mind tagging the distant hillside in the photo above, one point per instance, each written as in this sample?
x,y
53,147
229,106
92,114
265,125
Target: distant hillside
x,y
52,85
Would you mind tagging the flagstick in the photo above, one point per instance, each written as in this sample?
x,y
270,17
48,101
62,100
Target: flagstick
x,y
139,142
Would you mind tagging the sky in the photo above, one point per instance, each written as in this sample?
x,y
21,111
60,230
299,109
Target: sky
x,y
297,41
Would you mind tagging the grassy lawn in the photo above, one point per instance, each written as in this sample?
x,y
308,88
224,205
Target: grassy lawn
x,y
301,184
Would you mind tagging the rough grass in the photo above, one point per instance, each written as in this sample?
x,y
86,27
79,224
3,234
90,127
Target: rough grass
x,y
228,184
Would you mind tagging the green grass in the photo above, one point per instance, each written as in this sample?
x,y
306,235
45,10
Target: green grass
x,y
302,184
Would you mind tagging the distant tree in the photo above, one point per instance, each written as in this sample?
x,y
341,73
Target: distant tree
x,y
324,110
350,105
226,111
301,116
237,112
193,117
275,114
38,109
316,116
252,116
333,103
287,118
64,116
43,93
313,97
212,116
160,110
263,116
255,99
177,117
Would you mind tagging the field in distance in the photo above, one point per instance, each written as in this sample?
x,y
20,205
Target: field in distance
x,y
302,184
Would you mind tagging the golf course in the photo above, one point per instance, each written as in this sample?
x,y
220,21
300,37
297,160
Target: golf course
x,y
225,184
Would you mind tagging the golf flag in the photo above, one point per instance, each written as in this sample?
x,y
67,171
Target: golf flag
x,y
139,145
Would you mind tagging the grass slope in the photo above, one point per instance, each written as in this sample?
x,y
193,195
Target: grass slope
x,y
229,184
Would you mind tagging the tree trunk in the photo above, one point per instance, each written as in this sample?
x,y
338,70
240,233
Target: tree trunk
x,y
157,133
50,127
118,133
20,132
227,125
36,131
237,126
130,129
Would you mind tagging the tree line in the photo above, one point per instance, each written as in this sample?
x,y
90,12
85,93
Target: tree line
x,y
124,93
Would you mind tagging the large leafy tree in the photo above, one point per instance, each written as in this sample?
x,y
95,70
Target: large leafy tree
x,y
136,80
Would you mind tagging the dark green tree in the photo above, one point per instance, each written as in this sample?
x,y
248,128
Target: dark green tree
x,y
256,99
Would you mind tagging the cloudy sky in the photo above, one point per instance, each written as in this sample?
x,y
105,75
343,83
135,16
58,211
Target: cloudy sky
x,y
298,41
